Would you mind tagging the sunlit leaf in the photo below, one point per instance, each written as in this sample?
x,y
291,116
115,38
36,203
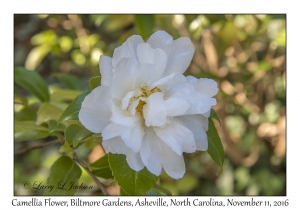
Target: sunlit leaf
x,y
215,147
71,112
70,81
20,100
145,25
36,56
94,82
132,182
63,172
32,82
28,130
101,168
64,95
75,134
47,112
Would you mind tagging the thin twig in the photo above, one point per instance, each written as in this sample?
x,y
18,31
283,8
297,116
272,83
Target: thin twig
x,y
36,147
100,185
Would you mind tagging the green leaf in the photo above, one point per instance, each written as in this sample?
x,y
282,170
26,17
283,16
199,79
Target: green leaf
x,y
64,95
70,81
145,25
132,182
63,172
215,147
161,189
47,112
20,100
28,130
75,134
95,82
101,168
32,82
214,115
122,192
71,112
66,148
53,126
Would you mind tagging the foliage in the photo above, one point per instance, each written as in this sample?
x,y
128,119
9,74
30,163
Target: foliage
x,y
56,59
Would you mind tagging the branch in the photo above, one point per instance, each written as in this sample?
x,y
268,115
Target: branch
x,y
100,185
36,147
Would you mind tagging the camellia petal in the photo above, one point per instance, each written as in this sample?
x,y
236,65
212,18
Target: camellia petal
x,y
155,112
95,112
106,72
134,160
177,137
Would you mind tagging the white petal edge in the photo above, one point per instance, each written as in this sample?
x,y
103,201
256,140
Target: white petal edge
x,y
94,113
134,160
180,56
105,65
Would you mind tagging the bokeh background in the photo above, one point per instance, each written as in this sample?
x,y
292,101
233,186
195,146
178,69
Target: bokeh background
x,y
245,54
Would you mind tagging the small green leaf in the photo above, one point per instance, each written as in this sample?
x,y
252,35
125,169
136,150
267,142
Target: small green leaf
x,y
32,82
132,182
66,148
145,24
71,112
214,115
64,95
95,82
70,81
215,147
101,168
28,130
53,126
47,112
63,172
75,134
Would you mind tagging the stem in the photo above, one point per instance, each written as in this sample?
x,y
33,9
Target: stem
x,y
36,147
100,185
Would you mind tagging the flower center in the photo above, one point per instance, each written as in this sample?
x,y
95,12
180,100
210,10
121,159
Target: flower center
x,y
138,101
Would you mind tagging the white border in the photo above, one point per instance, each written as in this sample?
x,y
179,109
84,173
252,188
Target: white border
x,y
155,6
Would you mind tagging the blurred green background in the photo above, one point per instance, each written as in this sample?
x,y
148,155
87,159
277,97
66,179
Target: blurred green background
x,y
245,54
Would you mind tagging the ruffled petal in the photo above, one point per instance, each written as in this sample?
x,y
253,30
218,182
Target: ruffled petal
x,y
199,103
105,70
180,56
150,152
170,80
133,136
162,40
206,86
198,124
124,78
154,110
172,163
177,137
113,130
127,49
156,57
119,117
95,112
176,106
134,160
115,145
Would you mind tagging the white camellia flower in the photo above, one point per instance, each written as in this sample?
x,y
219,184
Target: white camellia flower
x,y
146,109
